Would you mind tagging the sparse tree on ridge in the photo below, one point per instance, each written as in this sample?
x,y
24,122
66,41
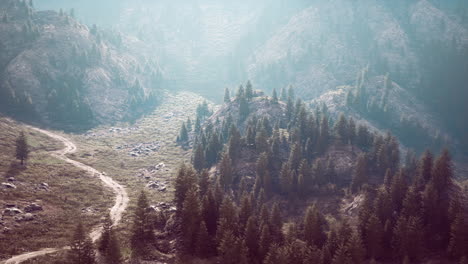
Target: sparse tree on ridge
x,y
22,148
227,95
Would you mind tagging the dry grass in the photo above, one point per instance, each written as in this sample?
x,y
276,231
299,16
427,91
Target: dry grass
x,y
98,148
70,191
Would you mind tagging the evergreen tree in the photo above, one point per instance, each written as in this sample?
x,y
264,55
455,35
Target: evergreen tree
x,y
274,97
261,141
190,221
240,92
360,175
189,125
227,95
251,235
243,109
313,227
142,229
203,245
248,91
199,158
324,135
295,156
458,244
113,253
185,180
443,172
289,109
356,248
341,256
352,131
291,93
203,182
81,248
398,189
341,129
374,236
283,96
22,148
234,145
183,135
225,170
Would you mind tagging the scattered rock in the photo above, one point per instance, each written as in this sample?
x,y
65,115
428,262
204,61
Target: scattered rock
x,y
11,179
8,185
10,205
160,186
34,207
44,186
12,211
28,217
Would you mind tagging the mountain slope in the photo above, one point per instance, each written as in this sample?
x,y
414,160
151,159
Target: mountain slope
x,y
65,74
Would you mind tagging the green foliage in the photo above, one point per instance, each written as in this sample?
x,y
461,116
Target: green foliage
x,y
142,228
81,247
22,148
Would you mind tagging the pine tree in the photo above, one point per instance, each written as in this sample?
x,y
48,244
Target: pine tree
x,y
374,236
264,242
189,124
243,109
324,136
183,135
113,253
190,221
251,235
341,256
142,229
261,141
22,148
341,129
210,212
81,248
227,95
398,189
240,92
199,158
225,170
203,245
356,248
295,156
249,91
274,97
203,182
457,247
352,131
442,172
291,93
283,96
234,145
360,175
289,109
313,227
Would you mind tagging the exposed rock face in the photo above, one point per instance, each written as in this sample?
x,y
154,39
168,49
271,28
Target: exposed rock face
x,y
56,71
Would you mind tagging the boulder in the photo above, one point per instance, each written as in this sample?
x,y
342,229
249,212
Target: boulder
x,y
12,211
28,217
8,185
34,207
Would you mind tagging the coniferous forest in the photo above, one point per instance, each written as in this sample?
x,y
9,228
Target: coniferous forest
x,y
233,132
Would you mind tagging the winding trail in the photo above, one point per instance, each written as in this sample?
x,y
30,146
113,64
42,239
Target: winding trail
x,y
121,196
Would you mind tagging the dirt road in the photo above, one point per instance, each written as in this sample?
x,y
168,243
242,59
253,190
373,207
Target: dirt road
x,y
121,199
